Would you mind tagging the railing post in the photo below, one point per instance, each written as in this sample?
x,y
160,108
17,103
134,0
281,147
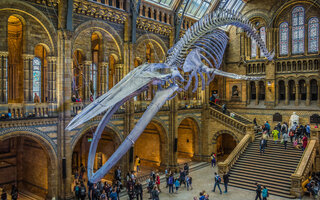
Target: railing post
x,y
296,185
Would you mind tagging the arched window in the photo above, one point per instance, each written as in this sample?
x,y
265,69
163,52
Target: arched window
x,y
36,66
93,80
313,35
284,38
263,37
298,30
253,48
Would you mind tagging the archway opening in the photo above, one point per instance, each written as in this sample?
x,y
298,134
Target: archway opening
x,y
15,61
282,91
78,89
149,147
262,91
314,89
225,145
292,90
20,167
253,90
187,132
40,79
107,145
302,90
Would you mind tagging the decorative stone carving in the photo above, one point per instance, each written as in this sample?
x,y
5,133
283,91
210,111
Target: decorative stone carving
x,y
152,26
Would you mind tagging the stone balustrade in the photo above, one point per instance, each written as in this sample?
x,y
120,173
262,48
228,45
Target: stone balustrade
x,y
76,108
27,110
186,104
225,166
304,169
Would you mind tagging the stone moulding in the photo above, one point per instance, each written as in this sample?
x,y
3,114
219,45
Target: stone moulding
x,y
99,11
152,26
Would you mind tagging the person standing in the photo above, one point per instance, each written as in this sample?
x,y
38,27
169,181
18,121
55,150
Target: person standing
x,y
155,193
138,162
170,183
291,135
226,181
177,185
117,174
113,194
131,192
76,190
267,127
217,180
213,160
14,192
262,145
275,133
285,140
308,130
304,142
4,194
138,190
82,191
158,182
186,169
265,193
224,108
258,191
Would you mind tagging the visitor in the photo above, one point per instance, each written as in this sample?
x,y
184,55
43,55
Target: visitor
x,y
82,191
95,192
275,135
177,185
265,137
36,98
308,130
113,194
150,185
258,191
170,183
131,192
202,196
304,142
90,186
73,98
267,127
103,195
296,144
158,182
167,174
117,174
284,128
82,170
265,193
255,121
186,169
291,135
155,193
226,181
138,190
153,175
4,194
217,180
189,182
224,108
76,190
138,162
212,99
285,139
14,192
262,145
213,160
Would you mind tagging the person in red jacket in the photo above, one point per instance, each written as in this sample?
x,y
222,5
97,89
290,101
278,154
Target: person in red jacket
x,y
158,182
304,142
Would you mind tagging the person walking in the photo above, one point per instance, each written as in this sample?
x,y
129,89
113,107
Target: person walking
x,y
213,160
304,142
217,180
138,190
138,162
265,193
114,194
224,108
267,127
275,133
170,183
285,140
158,182
76,190
14,192
258,191
155,193
308,130
4,194
291,135
177,185
262,145
226,181
265,137
82,191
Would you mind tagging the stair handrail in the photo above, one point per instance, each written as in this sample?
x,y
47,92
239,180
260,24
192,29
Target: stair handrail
x,y
237,125
304,167
231,111
225,166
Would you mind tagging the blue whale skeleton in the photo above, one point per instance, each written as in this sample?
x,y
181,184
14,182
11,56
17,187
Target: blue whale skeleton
x,y
203,43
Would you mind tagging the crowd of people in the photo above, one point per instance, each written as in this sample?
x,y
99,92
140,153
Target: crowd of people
x,y
312,185
297,135
14,193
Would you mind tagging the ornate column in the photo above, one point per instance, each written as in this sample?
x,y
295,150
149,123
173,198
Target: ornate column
x,y
103,80
28,77
3,77
257,93
51,78
308,95
86,82
297,95
277,96
248,93
287,94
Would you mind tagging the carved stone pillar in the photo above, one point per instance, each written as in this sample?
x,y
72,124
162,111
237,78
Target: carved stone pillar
x,y
248,93
3,77
297,95
257,93
308,95
28,77
103,79
287,94
86,82
277,94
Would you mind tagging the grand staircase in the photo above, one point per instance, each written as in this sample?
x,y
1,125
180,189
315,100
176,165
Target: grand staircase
x,y
273,169
228,112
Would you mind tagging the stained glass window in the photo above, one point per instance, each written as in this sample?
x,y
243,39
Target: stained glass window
x,y
284,38
298,30
36,65
313,35
263,37
253,48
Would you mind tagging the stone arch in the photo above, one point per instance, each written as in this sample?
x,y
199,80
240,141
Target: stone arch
x,y
218,141
19,7
45,46
218,133
48,146
258,13
96,25
154,39
92,125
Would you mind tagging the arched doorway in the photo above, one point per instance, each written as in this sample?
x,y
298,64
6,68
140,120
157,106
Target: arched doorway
x,y
282,91
40,81
15,61
292,90
314,89
253,90
25,163
262,91
302,90
225,143
107,145
187,132
150,147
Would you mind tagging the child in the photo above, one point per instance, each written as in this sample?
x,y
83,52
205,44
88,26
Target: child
x,y
177,184
265,193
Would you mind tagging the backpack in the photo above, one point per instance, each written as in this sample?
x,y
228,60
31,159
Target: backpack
x,y
291,134
218,178
83,191
77,189
170,181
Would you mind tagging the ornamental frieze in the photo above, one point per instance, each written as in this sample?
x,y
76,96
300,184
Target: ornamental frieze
x,y
152,26
99,11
